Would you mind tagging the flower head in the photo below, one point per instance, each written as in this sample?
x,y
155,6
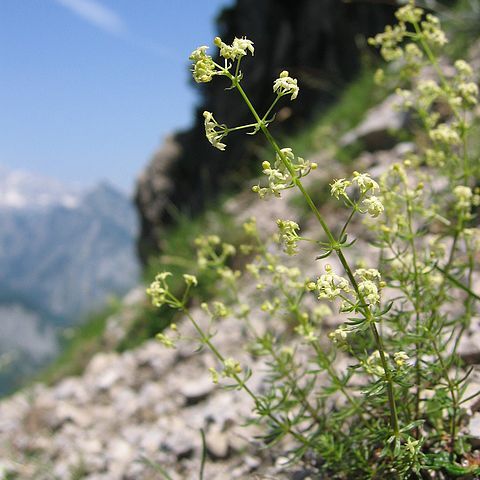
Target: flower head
x,y
400,358
288,235
214,131
374,206
286,85
338,188
203,65
365,182
239,48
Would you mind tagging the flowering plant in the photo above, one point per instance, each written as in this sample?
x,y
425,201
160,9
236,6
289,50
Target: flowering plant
x,y
398,409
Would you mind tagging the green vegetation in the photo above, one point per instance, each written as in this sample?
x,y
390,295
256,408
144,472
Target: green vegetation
x,y
79,345
347,112
385,396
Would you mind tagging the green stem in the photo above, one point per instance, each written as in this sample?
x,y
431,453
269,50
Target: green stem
x,y
451,388
416,304
241,127
239,381
267,113
335,246
457,283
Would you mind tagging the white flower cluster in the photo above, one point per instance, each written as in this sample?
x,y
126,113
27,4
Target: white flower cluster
x,y
409,14
286,85
330,285
203,65
159,290
238,49
367,187
214,131
445,134
466,89
231,367
279,177
340,336
390,41
369,284
400,358
204,68
465,198
288,235
432,31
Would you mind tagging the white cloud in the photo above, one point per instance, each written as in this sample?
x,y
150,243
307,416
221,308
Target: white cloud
x,y
96,14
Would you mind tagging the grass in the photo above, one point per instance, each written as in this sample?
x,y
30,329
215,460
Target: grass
x,y
178,257
357,98
79,346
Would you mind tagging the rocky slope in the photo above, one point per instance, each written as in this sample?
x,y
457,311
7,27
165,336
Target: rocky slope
x,y
132,415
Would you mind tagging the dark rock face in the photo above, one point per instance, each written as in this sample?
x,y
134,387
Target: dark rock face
x,y
317,41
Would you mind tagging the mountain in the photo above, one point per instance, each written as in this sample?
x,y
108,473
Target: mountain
x,y
23,190
63,252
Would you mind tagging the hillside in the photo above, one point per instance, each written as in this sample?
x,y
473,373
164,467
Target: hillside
x,y
130,408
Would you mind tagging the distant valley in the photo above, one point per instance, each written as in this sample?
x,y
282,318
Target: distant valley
x,y
63,252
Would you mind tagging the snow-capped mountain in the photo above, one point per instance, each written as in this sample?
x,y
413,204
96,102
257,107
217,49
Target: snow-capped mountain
x,y
63,252
20,189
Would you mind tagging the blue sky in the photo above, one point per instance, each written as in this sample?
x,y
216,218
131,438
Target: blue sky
x,y
88,88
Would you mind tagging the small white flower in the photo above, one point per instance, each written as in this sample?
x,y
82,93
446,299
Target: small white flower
x,y
288,235
469,92
214,131
445,134
241,46
463,68
231,368
286,85
190,280
365,182
338,188
369,291
374,206
464,197
400,358
203,65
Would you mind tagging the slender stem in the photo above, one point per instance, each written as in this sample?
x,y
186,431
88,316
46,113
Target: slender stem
x,y
335,246
204,455
349,219
239,381
416,304
451,388
459,284
241,127
271,108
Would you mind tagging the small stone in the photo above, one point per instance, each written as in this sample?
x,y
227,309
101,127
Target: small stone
x,y
197,390
469,349
474,429
65,413
217,443
181,441
375,131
